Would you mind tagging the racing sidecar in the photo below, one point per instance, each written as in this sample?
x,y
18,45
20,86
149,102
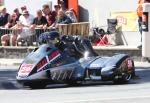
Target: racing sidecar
x,y
48,65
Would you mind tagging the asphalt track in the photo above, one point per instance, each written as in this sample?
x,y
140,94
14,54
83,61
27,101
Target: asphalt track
x,y
137,91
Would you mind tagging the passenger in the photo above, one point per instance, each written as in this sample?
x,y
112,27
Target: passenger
x,y
51,37
74,46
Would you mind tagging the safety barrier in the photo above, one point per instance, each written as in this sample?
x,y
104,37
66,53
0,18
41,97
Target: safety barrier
x,y
81,28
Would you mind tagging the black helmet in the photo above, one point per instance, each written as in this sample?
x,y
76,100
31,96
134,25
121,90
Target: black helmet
x,y
48,37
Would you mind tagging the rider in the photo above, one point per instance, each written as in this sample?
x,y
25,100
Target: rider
x,y
51,37
74,45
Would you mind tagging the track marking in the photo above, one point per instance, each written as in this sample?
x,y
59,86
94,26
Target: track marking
x,y
100,99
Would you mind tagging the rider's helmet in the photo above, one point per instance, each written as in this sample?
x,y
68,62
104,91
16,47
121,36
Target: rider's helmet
x,y
51,37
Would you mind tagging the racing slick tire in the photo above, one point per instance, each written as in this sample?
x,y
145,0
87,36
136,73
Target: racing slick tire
x,y
123,75
125,79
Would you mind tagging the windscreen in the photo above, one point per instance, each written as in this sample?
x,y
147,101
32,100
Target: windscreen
x,y
38,54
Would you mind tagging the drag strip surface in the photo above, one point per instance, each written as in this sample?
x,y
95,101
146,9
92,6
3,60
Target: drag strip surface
x,y
137,91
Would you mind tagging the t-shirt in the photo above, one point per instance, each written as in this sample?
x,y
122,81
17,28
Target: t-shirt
x,y
140,8
42,21
26,21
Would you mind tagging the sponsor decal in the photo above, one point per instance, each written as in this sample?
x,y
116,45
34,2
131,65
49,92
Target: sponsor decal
x,y
129,62
41,63
53,55
25,69
122,20
126,20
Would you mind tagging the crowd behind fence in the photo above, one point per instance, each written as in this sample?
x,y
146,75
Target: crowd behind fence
x,y
81,28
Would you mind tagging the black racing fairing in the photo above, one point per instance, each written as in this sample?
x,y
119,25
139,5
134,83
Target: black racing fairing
x,y
43,59
48,63
108,61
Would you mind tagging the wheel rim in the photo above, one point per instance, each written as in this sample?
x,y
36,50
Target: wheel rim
x,y
127,77
124,69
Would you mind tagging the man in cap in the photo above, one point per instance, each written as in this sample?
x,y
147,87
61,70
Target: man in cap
x,y
25,22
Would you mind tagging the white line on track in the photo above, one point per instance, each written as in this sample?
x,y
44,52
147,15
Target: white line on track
x,y
100,99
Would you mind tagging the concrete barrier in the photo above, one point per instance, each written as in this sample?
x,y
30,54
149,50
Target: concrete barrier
x,y
22,52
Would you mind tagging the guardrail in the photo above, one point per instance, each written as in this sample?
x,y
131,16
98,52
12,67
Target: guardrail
x,y
81,28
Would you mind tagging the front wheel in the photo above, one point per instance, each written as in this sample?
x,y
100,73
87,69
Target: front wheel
x,y
37,85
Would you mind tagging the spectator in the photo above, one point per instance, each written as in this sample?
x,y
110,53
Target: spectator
x,y
50,15
4,16
17,13
140,13
71,15
25,22
23,8
63,6
26,19
5,38
62,18
57,8
13,21
39,21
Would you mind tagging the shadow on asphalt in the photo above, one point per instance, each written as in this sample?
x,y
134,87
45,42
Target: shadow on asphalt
x,y
8,80
143,74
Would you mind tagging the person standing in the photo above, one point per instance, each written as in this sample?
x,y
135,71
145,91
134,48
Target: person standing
x,y
140,13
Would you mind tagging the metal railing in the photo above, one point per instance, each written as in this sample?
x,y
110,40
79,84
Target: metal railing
x,y
81,28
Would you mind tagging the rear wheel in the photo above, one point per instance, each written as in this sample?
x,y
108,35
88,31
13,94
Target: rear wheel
x,y
123,75
125,78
